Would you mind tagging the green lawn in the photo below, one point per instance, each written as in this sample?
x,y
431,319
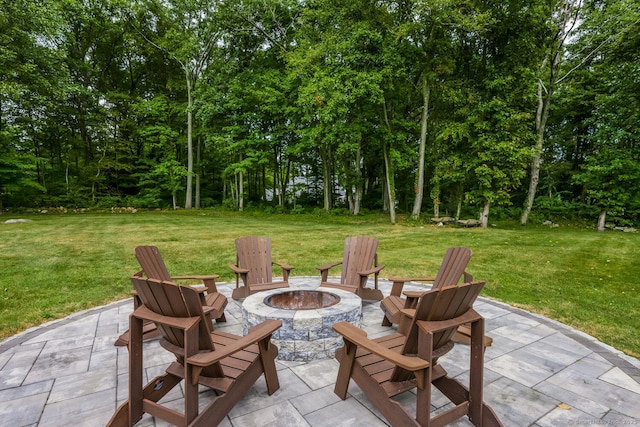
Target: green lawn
x,y
60,264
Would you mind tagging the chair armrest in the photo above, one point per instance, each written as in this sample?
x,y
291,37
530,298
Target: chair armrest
x,y
324,270
196,277
430,326
328,266
238,270
413,294
256,334
358,337
286,269
144,313
467,277
398,283
208,280
374,270
283,265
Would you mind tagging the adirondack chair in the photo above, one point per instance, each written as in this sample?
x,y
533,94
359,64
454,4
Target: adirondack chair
x,y
397,309
359,261
227,363
390,365
451,270
255,267
153,266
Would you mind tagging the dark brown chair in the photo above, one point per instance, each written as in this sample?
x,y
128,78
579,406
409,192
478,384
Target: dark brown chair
x,y
451,270
390,365
153,267
255,267
359,261
227,363
397,309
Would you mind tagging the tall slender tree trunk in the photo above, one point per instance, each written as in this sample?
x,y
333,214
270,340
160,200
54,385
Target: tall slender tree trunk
x,y
417,205
567,20
189,192
198,172
388,171
357,195
240,191
542,115
326,176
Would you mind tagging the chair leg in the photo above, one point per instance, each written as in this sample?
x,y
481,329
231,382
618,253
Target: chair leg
x,y
386,321
268,353
346,356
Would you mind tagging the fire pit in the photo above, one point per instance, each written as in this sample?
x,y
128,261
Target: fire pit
x,y
307,317
302,300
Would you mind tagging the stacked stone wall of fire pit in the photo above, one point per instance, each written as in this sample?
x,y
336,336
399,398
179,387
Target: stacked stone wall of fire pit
x,y
305,334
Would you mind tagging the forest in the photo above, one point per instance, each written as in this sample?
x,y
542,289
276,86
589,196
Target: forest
x,y
426,108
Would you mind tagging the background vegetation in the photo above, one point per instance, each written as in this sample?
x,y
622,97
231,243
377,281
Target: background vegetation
x,y
454,107
62,263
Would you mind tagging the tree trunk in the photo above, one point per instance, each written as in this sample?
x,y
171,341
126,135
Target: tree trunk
x,y
240,191
388,171
484,215
326,176
542,114
357,195
390,183
198,172
435,197
417,205
189,192
601,219
568,19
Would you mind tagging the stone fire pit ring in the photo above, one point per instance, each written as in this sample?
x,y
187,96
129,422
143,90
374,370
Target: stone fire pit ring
x,y
305,334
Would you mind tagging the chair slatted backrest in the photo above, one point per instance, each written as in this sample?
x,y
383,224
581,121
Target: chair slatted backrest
x,y
453,265
254,254
171,300
445,303
152,263
360,253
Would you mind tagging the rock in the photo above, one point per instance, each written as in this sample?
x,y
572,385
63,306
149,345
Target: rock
x,y
469,222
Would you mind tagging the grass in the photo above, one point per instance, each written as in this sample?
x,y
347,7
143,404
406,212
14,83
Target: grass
x,y
62,263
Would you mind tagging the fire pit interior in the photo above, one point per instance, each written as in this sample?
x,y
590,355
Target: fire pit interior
x,y
302,300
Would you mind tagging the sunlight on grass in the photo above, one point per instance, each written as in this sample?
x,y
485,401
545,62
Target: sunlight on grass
x,y
60,264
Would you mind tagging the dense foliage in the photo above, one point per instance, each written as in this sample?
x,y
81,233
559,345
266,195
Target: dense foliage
x,y
429,107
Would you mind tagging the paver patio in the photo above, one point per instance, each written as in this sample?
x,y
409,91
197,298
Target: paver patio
x,y
538,372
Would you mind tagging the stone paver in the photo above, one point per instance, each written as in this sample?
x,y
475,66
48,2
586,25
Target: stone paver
x,y
538,372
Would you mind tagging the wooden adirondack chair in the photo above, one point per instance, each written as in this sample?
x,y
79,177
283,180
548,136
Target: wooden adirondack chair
x,y
359,261
227,363
397,309
390,365
255,267
153,267
453,267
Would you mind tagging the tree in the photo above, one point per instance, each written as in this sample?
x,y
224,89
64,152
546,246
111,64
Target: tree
x,y
31,83
610,174
499,133
348,66
569,21
188,32
610,178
